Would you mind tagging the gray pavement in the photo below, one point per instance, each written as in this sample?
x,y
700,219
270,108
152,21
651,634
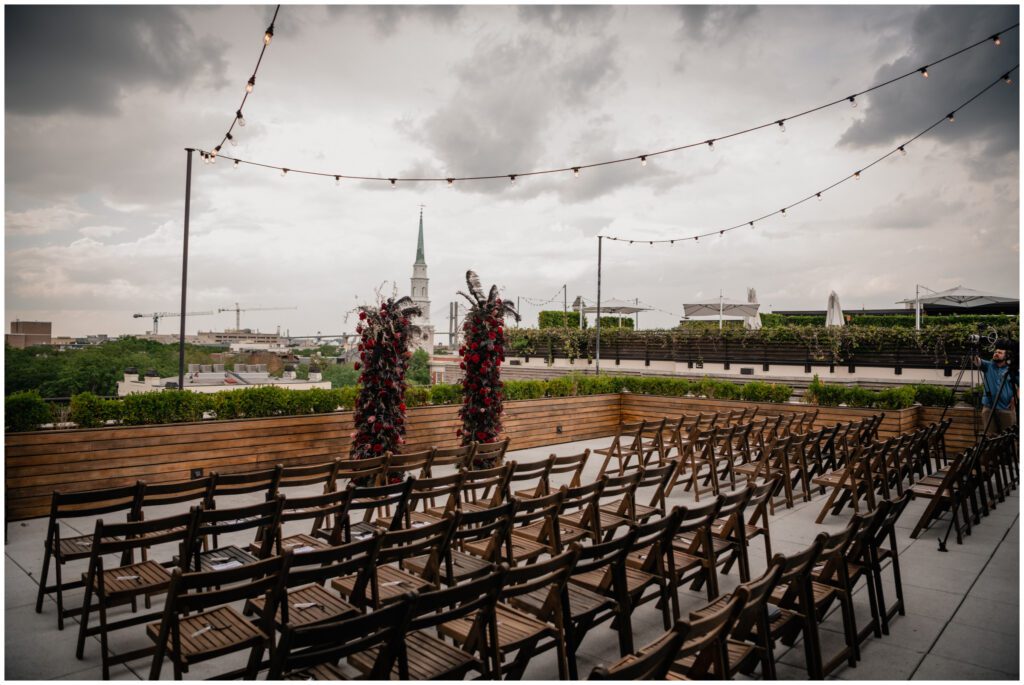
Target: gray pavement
x,y
962,620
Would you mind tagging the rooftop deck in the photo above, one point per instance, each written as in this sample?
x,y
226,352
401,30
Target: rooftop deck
x,y
962,619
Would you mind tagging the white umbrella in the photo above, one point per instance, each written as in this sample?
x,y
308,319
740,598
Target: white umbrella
x,y
834,316
959,296
752,323
720,307
619,307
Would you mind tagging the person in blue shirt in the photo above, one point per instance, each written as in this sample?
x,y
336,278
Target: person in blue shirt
x,y
1001,396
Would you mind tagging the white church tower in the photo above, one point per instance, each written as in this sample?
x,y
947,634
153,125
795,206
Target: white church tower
x,y
421,294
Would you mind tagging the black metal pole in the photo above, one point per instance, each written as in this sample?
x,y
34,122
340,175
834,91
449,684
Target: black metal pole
x,y
184,269
598,353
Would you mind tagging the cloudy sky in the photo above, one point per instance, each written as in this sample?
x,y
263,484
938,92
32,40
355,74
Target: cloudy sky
x,y
101,101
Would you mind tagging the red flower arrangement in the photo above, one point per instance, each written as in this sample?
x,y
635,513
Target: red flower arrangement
x,y
379,417
482,352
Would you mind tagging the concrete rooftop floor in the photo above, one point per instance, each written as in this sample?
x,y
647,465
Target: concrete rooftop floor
x,y
962,621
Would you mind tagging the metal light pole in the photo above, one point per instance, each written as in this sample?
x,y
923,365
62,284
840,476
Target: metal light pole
x,y
598,368
184,269
565,305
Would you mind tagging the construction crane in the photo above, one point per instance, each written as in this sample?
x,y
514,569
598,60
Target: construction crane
x,y
238,312
156,316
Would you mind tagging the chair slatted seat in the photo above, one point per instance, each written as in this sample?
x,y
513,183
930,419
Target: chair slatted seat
x,y
480,540
704,651
371,500
650,663
264,518
536,529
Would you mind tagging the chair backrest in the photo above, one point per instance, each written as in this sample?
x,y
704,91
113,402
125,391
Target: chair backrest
x,y
833,553
310,474
650,663
230,484
459,457
886,530
119,538
486,486
732,510
586,499
608,556
372,497
807,423
91,503
362,472
488,454
867,527
331,506
653,540
320,565
753,616
707,637
569,463
196,592
547,509
797,569
327,643
431,540
697,520
493,525
426,492
410,463
550,575
535,472
264,518
654,480
622,488
194,491
759,502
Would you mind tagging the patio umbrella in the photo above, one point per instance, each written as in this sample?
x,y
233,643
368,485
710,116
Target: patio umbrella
x,y
834,316
619,307
720,307
752,323
959,297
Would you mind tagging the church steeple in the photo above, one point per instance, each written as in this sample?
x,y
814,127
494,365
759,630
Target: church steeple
x,y
420,259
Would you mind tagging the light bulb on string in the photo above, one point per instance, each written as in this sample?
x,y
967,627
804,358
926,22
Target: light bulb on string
x,y
997,40
206,158
576,172
950,117
394,182
711,144
856,175
903,151
337,180
269,35
1007,79
782,125
232,140
235,165
215,151
643,160
284,172
783,211
853,101
512,179
924,72
818,195
751,225
240,118
251,84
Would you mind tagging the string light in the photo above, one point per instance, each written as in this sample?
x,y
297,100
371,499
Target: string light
x,y
782,125
951,117
643,160
856,175
901,149
232,140
284,172
451,182
512,179
924,72
1007,79
394,181
251,84
239,118
269,35
216,150
644,157
337,180
235,165
997,40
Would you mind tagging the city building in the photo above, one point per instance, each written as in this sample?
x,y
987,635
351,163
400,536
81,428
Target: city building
x,y
28,333
244,335
210,378
421,295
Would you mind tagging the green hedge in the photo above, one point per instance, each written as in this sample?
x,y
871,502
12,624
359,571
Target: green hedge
x,y
893,320
26,411
832,395
559,319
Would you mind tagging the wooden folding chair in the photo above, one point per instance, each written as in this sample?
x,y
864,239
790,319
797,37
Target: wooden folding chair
x,y
421,506
601,570
483,488
853,479
580,516
226,485
199,624
481,539
305,475
793,599
704,651
454,457
570,465
652,442
316,509
524,629
69,507
487,455
883,547
392,577
313,652
371,500
728,534
423,654
649,564
414,464
749,643
693,550
653,481
124,584
626,444
941,495
536,529
650,663
264,519
534,473
307,600
830,582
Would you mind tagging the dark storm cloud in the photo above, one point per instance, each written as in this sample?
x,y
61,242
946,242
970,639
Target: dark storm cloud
x,y
84,59
386,19
903,109
498,118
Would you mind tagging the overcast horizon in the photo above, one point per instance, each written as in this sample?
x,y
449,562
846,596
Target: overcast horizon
x,y
95,166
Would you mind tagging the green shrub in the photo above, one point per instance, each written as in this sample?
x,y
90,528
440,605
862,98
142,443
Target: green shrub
x,y
596,385
417,395
347,396
26,411
313,401
90,411
972,396
167,406
608,322
524,390
832,395
759,391
558,319
445,393
932,395
563,386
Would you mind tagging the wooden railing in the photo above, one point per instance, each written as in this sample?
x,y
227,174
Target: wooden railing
x,y
40,462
